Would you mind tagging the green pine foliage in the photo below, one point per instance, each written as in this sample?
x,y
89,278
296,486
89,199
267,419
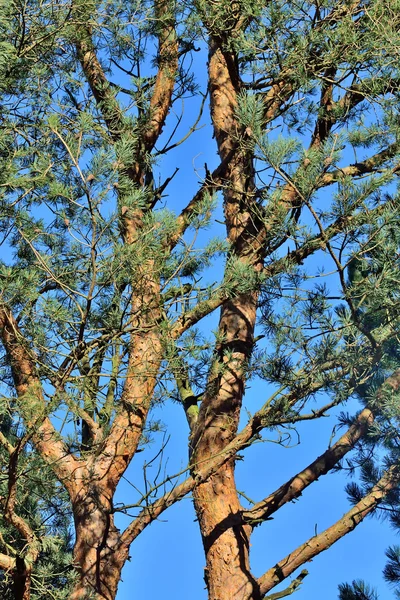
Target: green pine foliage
x,y
43,504
357,590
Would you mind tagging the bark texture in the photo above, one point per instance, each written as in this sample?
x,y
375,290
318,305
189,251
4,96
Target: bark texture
x,y
99,560
225,536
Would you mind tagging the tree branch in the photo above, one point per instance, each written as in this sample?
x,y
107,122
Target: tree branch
x,y
205,469
188,397
290,589
320,466
168,55
31,403
213,181
368,166
101,88
324,540
341,225
7,563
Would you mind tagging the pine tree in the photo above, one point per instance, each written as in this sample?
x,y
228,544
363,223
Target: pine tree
x,y
110,267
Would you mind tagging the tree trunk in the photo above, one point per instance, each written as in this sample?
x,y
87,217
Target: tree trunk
x,y
225,536
22,580
225,539
99,561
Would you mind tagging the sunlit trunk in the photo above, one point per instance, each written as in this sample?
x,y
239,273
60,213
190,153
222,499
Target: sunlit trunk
x,y
99,561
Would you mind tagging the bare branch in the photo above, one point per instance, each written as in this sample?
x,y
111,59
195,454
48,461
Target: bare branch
x,y
290,589
370,165
320,466
324,540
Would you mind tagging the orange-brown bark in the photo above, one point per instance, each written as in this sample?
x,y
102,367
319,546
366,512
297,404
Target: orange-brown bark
x,y
168,55
31,401
99,85
99,562
225,538
98,549
324,540
89,486
293,488
143,365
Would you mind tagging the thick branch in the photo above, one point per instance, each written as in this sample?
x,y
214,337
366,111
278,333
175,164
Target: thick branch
x,y
320,466
99,84
367,89
198,312
327,538
6,444
325,121
31,403
11,516
24,561
370,165
168,54
186,393
145,354
7,563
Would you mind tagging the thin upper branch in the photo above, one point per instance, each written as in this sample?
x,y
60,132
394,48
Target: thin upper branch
x,y
212,182
168,56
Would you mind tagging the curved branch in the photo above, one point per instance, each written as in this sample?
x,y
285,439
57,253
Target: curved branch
x,y
324,540
320,466
168,57
31,403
